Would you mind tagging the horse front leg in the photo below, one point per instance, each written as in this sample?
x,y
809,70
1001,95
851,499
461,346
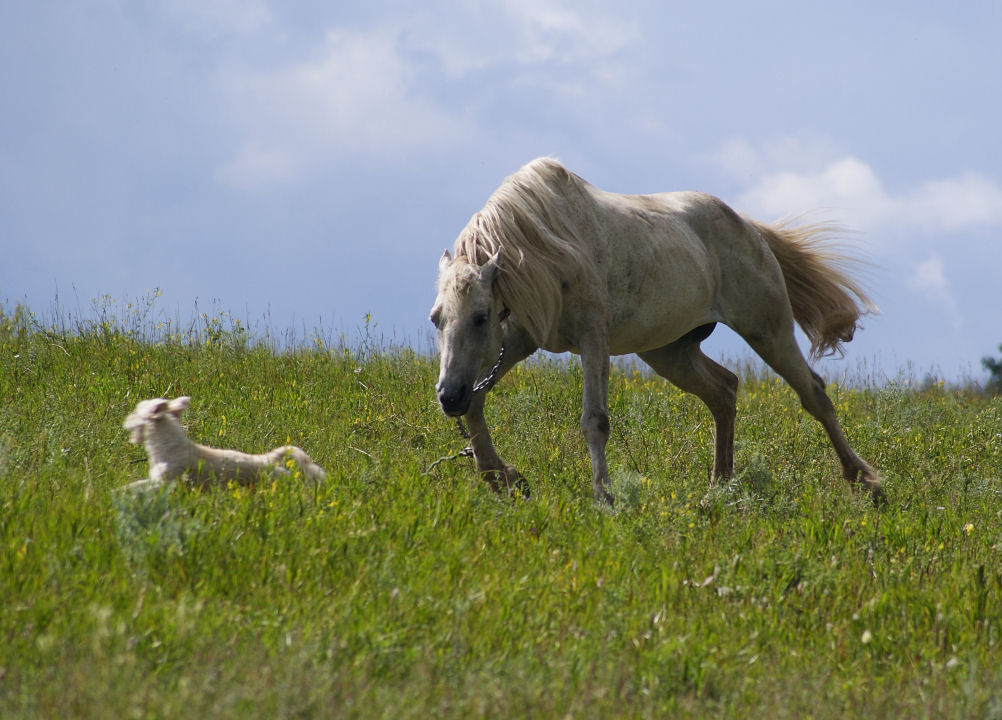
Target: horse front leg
x,y
502,477
595,414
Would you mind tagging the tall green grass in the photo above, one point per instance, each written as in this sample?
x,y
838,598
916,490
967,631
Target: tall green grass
x,y
399,588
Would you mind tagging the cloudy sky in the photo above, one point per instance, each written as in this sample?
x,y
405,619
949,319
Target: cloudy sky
x,y
302,164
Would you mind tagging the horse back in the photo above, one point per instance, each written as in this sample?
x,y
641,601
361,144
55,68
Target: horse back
x,y
674,262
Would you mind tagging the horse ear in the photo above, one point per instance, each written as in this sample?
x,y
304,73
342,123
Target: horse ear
x,y
489,270
444,261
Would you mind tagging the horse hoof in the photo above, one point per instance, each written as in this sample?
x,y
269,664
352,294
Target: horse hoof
x,y
515,483
507,481
870,479
604,497
522,487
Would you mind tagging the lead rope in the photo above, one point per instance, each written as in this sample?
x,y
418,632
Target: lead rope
x,y
492,376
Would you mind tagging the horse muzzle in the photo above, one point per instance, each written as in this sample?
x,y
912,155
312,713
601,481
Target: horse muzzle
x,y
455,400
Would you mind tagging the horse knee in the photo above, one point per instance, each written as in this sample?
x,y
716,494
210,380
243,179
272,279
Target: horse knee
x,y
595,425
722,397
816,400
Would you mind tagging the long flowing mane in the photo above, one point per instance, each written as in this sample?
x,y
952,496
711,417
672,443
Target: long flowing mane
x,y
525,223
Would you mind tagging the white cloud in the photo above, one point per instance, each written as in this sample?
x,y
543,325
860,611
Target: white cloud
x,y
848,187
928,276
955,203
928,280
355,97
557,30
542,43
366,93
746,162
851,190
256,164
210,16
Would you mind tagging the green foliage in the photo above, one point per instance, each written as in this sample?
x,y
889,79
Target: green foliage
x,y
994,368
395,589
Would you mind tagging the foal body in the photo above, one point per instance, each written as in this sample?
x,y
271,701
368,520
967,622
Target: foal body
x,y
155,424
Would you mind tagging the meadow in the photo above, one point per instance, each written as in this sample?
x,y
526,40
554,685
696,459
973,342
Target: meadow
x,y
401,587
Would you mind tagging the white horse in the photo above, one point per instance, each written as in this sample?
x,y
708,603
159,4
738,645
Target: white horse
x,y
552,262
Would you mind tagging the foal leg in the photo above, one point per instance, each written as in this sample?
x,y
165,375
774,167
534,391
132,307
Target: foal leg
x,y
684,365
780,351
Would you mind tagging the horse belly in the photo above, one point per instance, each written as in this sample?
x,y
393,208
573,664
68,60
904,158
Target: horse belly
x,y
658,302
649,329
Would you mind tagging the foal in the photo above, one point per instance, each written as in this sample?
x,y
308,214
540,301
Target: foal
x,y
154,424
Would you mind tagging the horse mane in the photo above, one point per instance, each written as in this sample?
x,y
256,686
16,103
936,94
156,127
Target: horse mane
x,y
526,223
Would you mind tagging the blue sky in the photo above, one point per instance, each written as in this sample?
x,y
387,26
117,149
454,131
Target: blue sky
x,y
305,163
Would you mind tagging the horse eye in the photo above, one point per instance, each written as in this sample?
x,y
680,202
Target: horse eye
x,y
479,319
435,319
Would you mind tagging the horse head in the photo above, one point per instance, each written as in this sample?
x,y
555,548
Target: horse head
x,y
467,315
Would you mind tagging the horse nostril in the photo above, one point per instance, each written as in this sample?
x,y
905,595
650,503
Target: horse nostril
x,y
450,396
454,400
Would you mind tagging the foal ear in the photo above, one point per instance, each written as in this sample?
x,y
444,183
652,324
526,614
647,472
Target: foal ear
x,y
157,408
178,405
444,261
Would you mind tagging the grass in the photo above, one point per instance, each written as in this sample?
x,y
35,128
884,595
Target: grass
x,y
396,589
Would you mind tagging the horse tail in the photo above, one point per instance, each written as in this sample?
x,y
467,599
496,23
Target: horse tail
x,y
827,302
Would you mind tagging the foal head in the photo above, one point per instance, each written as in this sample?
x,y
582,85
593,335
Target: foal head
x,y
149,413
467,314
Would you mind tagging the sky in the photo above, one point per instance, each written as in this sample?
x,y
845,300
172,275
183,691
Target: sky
x,y
303,164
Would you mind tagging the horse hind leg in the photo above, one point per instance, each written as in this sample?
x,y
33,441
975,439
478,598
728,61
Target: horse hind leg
x,y
684,365
782,355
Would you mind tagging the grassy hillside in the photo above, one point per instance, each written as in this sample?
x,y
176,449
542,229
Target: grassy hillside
x,y
401,590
